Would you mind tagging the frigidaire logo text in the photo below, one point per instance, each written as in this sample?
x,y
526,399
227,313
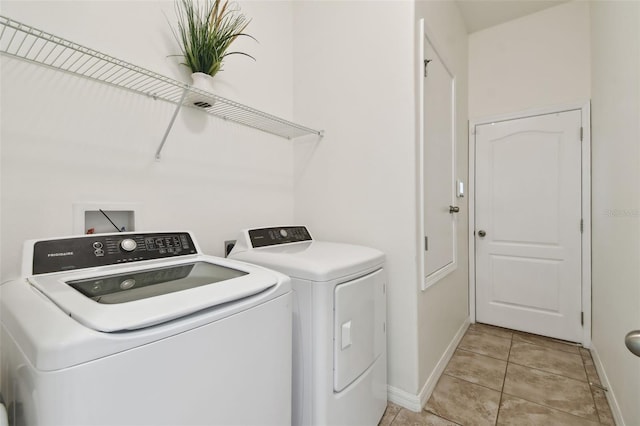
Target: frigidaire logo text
x,y
65,253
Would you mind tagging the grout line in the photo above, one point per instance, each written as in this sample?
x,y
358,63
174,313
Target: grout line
x,y
472,383
591,390
550,339
504,380
555,408
554,373
441,417
479,354
484,354
394,417
484,333
510,362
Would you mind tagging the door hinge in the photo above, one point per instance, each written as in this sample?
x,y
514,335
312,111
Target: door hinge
x,y
581,318
581,226
426,62
426,243
581,133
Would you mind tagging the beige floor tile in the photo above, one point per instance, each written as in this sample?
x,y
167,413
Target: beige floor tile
x,y
586,355
587,360
463,402
409,418
551,390
389,414
592,374
476,368
589,366
547,359
486,344
602,405
518,412
546,342
491,329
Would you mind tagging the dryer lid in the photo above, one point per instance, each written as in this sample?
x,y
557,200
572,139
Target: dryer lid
x,y
131,297
314,260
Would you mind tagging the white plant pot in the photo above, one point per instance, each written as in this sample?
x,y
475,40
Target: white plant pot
x,y
203,82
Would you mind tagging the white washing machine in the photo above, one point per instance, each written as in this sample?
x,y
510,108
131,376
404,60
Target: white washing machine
x,y
142,329
339,322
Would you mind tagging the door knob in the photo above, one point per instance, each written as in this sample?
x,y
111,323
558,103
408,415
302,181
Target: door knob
x,y
454,209
632,340
482,233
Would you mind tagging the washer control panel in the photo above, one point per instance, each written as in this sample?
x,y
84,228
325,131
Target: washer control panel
x,y
264,237
109,249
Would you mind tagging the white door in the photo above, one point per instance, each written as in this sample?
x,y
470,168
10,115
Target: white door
x,y
528,228
438,167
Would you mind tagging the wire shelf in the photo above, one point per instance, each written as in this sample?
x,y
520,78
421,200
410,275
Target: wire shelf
x,y
31,44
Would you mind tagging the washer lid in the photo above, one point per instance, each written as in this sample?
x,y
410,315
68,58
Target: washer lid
x,y
132,297
314,260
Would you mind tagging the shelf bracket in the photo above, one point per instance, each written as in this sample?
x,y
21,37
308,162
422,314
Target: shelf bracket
x,y
173,119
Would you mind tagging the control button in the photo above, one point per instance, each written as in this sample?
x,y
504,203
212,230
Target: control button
x,y
99,252
97,245
284,233
127,284
128,244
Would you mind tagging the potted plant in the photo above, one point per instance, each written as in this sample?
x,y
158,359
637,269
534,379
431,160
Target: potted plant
x,y
206,30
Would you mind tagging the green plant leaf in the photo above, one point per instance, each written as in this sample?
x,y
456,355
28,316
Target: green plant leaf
x,y
205,33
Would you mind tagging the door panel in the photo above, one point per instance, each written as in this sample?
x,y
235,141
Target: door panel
x,y
358,327
538,278
438,163
528,201
534,199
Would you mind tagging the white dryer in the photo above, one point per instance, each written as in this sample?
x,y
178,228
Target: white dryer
x,y
140,328
339,322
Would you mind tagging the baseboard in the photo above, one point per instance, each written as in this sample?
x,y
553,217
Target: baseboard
x,y
604,380
404,399
416,402
431,382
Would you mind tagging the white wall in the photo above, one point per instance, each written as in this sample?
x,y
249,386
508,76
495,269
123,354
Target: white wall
x,y
67,140
443,308
616,198
354,70
536,61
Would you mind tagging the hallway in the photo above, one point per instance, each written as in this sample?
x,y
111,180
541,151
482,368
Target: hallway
x,y
503,377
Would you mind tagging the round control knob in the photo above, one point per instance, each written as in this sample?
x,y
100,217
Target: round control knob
x,y
284,233
128,244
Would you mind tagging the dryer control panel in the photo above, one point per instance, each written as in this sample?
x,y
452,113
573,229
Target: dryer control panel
x,y
281,235
108,249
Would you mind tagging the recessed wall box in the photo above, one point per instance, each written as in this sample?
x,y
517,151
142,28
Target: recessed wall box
x,y
98,218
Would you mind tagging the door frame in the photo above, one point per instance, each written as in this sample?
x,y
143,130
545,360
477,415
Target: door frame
x,y
585,109
426,34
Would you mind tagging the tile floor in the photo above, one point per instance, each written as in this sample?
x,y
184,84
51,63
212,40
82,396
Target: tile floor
x,y
504,377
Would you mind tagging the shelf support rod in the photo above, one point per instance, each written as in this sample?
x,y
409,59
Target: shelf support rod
x,y
173,119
